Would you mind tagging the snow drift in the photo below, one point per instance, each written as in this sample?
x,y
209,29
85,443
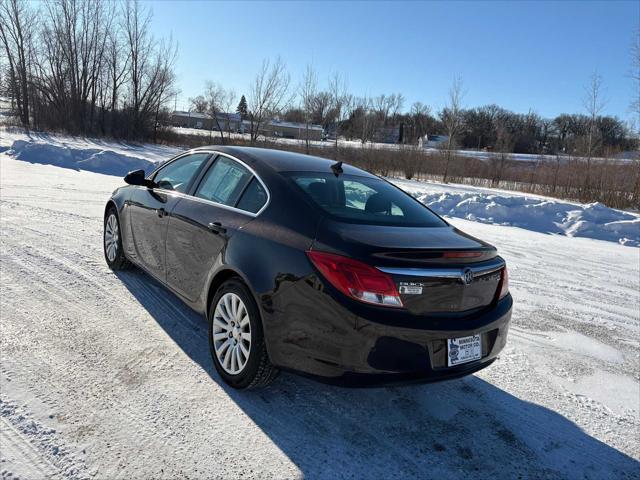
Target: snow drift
x,y
539,214
536,213
96,160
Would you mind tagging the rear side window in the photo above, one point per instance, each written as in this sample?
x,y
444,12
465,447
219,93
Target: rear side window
x,y
253,198
177,174
365,200
224,182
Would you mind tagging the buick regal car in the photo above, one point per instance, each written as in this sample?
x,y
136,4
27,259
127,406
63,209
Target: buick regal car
x,y
305,264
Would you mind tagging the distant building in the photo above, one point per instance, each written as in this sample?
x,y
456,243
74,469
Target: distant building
x,y
388,134
294,130
232,122
226,121
189,119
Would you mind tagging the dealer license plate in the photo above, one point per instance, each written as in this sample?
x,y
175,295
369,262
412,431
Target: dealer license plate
x,y
463,350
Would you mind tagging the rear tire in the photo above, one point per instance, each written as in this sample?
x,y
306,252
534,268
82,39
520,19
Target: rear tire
x,y
112,242
235,328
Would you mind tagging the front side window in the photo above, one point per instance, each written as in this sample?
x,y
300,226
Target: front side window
x,y
365,200
178,174
224,182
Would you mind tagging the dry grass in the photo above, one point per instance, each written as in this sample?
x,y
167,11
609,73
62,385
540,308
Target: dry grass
x,y
611,182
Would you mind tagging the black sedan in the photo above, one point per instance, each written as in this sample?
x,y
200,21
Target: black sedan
x,y
310,265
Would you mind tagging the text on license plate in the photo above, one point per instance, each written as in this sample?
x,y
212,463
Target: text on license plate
x,y
463,350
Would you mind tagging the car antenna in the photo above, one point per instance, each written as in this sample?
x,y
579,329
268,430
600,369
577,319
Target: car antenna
x,y
337,168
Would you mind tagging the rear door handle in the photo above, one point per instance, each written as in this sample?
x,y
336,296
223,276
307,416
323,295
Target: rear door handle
x,y
216,227
161,212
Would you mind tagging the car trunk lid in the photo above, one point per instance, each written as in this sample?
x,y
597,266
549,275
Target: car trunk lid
x,y
437,270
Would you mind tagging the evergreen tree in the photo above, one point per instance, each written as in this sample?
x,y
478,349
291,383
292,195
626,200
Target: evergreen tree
x,y
242,108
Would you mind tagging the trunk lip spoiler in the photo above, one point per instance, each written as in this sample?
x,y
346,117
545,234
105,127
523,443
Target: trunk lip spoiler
x,y
444,272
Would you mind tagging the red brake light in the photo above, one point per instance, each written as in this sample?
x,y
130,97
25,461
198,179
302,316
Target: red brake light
x,y
455,254
356,279
504,283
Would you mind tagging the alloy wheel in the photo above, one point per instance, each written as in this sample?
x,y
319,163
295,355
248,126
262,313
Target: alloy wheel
x,y
231,333
111,237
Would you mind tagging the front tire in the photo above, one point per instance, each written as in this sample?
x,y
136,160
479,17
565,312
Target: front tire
x,y
236,339
112,242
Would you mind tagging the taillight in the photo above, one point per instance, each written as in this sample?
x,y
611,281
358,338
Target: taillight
x,y
356,279
504,283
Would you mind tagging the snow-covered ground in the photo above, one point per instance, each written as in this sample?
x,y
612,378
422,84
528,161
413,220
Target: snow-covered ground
x,y
80,153
533,212
107,375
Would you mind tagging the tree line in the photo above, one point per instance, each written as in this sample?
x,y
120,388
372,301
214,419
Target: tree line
x,y
490,127
384,118
93,67
87,67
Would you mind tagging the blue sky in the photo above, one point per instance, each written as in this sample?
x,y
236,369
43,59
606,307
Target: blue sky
x,y
520,55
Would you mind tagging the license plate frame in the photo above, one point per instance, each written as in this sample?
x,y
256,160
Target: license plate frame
x,y
461,350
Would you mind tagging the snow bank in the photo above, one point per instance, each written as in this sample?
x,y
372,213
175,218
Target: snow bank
x,y
536,213
539,214
92,159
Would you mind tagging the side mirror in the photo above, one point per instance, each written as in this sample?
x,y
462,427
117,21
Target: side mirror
x,y
137,177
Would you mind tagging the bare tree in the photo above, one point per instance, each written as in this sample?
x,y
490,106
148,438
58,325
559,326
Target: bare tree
x,y
382,106
635,76
117,68
321,109
199,104
75,37
396,104
420,114
165,80
226,106
387,107
452,119
365,114
341,103
635,104
94,59
308,90
17,23
504,146
150,67
219,101
594,105
268,95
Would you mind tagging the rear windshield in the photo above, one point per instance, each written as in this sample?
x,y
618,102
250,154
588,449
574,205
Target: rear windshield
x,y
365,200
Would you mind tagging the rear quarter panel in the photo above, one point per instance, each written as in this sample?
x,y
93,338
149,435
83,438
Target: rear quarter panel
x,y
269,254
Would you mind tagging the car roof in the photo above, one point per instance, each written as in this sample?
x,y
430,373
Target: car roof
x,y
284,161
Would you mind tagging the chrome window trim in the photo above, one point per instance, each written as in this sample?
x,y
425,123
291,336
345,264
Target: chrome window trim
x,y
155,171
211,202
443,272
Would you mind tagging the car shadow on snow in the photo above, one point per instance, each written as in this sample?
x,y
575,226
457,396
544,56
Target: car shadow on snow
x,y
455,428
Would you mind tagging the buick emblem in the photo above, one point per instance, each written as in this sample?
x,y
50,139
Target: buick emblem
x,y
467,276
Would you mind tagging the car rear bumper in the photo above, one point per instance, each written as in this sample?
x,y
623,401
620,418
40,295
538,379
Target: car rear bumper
x,y
359,345
364,380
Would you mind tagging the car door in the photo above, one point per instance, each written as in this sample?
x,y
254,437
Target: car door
x,y
149,210
228,196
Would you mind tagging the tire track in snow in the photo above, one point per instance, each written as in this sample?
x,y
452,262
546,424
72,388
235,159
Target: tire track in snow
x,y
125,367
51,277
74,368
32,449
